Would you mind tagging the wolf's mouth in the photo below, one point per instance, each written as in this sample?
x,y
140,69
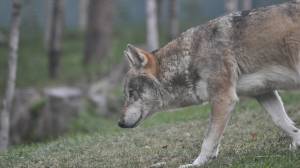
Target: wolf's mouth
x,y
124,125
138,121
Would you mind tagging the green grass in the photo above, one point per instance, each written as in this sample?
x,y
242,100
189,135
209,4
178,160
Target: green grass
x,y
251,140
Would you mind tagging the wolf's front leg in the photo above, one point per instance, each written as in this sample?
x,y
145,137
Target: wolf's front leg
x,y
221,109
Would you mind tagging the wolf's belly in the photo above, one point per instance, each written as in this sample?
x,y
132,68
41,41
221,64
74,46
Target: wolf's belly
x,y
268,79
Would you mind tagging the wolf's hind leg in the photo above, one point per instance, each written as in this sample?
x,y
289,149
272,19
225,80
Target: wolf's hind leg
x,y
273,105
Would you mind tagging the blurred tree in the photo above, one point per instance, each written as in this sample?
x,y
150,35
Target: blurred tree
x,y
2,39
247,4
55,38
12,73
173,19
99,30
83,10
48,11
159,8
152,29
160,5
231,5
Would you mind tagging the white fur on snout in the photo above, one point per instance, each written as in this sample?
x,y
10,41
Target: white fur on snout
x,y
133,113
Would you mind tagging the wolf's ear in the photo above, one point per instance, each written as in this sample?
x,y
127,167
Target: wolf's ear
x,y
140,59
136,57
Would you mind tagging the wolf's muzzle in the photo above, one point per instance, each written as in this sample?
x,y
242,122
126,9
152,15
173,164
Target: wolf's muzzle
x,y
123,125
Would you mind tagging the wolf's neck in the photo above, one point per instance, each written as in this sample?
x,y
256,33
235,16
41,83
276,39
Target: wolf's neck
x,y
174,59
176,70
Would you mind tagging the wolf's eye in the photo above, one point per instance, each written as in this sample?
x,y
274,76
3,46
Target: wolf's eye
x,y
133,94
130,93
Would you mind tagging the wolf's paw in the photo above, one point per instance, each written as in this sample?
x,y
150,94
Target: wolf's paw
x,y
188,166
215,153
202,159
295,145
197,163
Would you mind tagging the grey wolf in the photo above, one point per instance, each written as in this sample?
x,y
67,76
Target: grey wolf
x,y
250,53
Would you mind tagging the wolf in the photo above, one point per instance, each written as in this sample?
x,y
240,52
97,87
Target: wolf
x,y
250,53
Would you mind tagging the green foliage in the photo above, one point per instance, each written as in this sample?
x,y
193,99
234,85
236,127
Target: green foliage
x,y
37,107
33,66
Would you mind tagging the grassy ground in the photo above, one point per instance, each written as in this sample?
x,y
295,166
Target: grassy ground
x,y
251,140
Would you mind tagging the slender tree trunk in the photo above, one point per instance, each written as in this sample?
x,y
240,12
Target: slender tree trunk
x,y
99,30
12,73
247,4
152,29
83,12
55,39
2,39
231,5
48,17
159,4
173,19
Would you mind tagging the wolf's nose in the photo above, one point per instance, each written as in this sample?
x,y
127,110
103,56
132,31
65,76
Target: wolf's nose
x,y
121,124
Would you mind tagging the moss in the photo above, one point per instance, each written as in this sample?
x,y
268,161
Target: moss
x,y
37,108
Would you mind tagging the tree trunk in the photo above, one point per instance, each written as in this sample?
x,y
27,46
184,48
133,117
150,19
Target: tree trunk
x,y
231,5
63,104
55,39
247,4
83,11
152,30
48,17
173,19
2,39
11,76
159,4
99,30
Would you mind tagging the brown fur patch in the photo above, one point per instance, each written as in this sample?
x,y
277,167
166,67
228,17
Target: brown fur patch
x,y
151,66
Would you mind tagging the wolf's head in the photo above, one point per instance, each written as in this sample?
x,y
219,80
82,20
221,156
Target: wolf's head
x,y
143,93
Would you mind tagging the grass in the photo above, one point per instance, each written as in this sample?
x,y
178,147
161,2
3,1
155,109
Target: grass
x,y
251,140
